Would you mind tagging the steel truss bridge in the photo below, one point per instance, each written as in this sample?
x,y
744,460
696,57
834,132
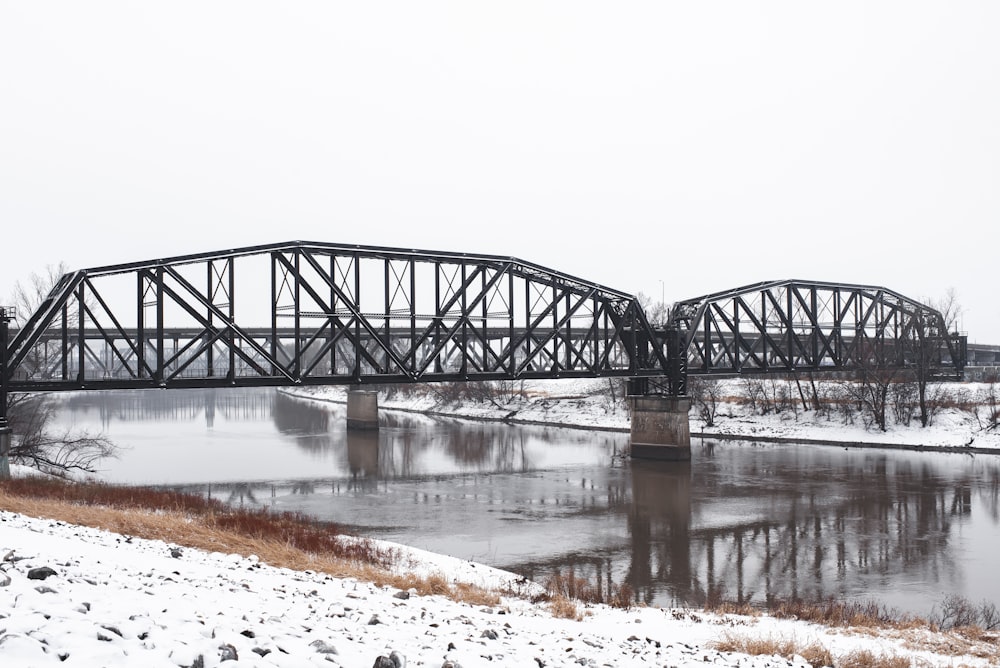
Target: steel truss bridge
x,y
302,313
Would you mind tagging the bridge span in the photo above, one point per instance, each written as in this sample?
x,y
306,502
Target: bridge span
x,y
301,313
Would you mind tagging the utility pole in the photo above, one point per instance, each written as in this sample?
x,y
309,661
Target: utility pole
x,y
6,315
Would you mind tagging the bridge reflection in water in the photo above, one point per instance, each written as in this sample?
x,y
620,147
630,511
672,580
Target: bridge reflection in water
x,y
741,522
746,524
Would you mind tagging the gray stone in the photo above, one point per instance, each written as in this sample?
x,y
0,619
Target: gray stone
x,y
228,653
41,573
323,647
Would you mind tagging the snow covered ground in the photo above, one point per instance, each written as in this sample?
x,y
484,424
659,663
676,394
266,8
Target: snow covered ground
x,y
110,601
585,403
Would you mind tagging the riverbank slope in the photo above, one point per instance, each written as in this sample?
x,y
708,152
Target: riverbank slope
x,y
78,596
962,424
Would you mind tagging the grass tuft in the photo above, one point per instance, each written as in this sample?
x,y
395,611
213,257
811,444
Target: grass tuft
x,y
571,586
564,608
814,653
863,658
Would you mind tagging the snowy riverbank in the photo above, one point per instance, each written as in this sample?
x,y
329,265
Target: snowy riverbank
x,y
587,404
115,601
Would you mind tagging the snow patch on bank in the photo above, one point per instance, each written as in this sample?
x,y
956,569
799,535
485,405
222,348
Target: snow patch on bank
x,y
589,404
117,601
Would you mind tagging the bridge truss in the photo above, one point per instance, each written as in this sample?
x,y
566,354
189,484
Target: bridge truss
x,y
791,326
305,313
316,313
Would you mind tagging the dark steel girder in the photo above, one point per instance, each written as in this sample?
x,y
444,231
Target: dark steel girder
x,y
306,313
788,326
355,314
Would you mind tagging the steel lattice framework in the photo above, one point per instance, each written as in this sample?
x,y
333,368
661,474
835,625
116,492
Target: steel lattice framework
x,y
788,326
319,313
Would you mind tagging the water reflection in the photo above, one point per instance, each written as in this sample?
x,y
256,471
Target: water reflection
x,y
741,521
754,524
147,405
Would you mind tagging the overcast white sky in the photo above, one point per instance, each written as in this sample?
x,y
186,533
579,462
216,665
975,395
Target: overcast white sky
x,y
673,148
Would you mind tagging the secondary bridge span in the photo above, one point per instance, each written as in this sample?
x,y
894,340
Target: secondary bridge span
x,y
301,313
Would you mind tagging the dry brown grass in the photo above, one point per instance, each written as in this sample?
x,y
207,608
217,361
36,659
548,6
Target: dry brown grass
x,y
814,653
846,613
281,540
583,590
863,658
565,608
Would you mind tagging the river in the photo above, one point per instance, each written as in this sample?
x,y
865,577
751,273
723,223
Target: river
x,y
742,521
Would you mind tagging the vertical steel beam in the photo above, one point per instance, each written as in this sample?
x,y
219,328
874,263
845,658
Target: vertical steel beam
x,y
274,312
387,322
511,357
5,375
296,370
789,330
413,317
81,335
465,324
210,287
230,337
357,319
64,330
140,324
160,373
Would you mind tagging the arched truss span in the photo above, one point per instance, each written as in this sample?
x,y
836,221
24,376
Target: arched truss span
x,y
319,313
784,326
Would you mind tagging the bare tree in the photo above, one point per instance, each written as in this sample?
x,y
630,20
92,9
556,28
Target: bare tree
x,y
27,297
657,312
705,395
56,452
35,441
924,341
874,378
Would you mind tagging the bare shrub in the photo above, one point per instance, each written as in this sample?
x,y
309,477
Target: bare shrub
x,y
614,394
753,392
903,399
957,612
705,395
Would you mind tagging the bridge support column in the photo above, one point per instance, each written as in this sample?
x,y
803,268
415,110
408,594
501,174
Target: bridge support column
x,y
5,433
6,315
362,409
660,428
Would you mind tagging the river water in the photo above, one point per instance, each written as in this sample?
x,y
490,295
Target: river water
x,y
741,521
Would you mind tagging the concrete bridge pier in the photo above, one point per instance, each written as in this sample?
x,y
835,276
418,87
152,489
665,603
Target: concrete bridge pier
x,y
362,409
5,434
660,428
